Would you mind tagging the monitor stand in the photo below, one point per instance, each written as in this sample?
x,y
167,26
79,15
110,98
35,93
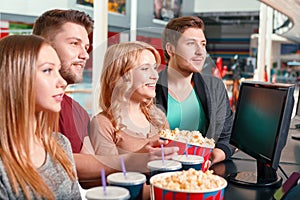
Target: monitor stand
x,y
264,177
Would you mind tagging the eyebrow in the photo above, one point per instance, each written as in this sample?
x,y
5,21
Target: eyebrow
x,y
78,39
193,39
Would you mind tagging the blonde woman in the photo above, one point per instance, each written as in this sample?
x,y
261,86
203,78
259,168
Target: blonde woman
x,y
130,121
35,163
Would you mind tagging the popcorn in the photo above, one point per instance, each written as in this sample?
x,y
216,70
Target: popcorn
x,y
190,137
190,181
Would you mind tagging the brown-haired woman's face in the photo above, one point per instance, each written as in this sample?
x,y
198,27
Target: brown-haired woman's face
x,y
144,77
50,86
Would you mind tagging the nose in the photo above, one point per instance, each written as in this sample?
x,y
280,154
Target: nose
x,y
61,82
84,53
154,74
200,49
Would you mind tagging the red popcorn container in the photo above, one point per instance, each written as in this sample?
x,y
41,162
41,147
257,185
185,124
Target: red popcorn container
x,y
192,150
160,193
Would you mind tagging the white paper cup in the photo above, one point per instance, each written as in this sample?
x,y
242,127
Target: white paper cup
x,y
189,161
133,182
112,193
157,166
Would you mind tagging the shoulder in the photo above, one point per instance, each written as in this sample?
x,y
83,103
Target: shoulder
x,y
101,118
63,141
208,77
213,82
69,103
102,121
164,71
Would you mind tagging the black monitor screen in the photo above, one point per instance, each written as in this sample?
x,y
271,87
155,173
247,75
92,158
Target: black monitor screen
x,y
258,120
262,121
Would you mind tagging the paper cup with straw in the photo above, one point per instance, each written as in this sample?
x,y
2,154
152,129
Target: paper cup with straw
x,y
160,166
107,192
189,161
132,181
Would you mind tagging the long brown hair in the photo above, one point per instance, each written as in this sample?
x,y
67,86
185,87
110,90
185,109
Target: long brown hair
x,y
18,57
116,80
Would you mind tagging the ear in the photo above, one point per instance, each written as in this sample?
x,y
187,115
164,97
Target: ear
x,y
170,49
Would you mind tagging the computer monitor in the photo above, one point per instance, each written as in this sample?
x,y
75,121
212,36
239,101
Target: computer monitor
x,y
296,121
298,105
260,129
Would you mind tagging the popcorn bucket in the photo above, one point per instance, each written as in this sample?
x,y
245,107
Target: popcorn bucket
x,y
192,150
160,193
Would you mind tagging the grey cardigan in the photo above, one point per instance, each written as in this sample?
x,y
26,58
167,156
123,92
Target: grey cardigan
x,y
52,172
213,96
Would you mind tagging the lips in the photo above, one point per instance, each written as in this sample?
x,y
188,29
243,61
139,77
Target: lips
x,y
58,97
151,84
79,64
198,59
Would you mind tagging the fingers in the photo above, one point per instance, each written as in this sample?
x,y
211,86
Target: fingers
x,y
206,164
169,156
157,143
169,152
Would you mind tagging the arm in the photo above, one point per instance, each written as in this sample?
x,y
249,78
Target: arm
x,y
88,166
103,141
87,147
217,155
223,149
102,136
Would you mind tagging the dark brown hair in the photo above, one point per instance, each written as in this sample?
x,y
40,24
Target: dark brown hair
x,y
50,22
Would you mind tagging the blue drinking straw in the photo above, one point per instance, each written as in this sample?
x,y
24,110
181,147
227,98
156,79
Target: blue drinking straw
x,y
123,166
162,154
103,179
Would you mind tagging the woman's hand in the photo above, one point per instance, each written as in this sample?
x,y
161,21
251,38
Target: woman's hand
x,y
155,151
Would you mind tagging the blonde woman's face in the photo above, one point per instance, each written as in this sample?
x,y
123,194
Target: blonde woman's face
x,y
50,86
144,77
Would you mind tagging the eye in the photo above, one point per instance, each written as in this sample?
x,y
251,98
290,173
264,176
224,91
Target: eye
x,y
74,43
191,43
155,66
47,71
145,67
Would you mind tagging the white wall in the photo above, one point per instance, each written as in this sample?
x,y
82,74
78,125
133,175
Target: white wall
x,y
31,7
225,5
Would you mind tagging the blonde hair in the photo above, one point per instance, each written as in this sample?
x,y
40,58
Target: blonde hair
x,y
116,80
18,56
